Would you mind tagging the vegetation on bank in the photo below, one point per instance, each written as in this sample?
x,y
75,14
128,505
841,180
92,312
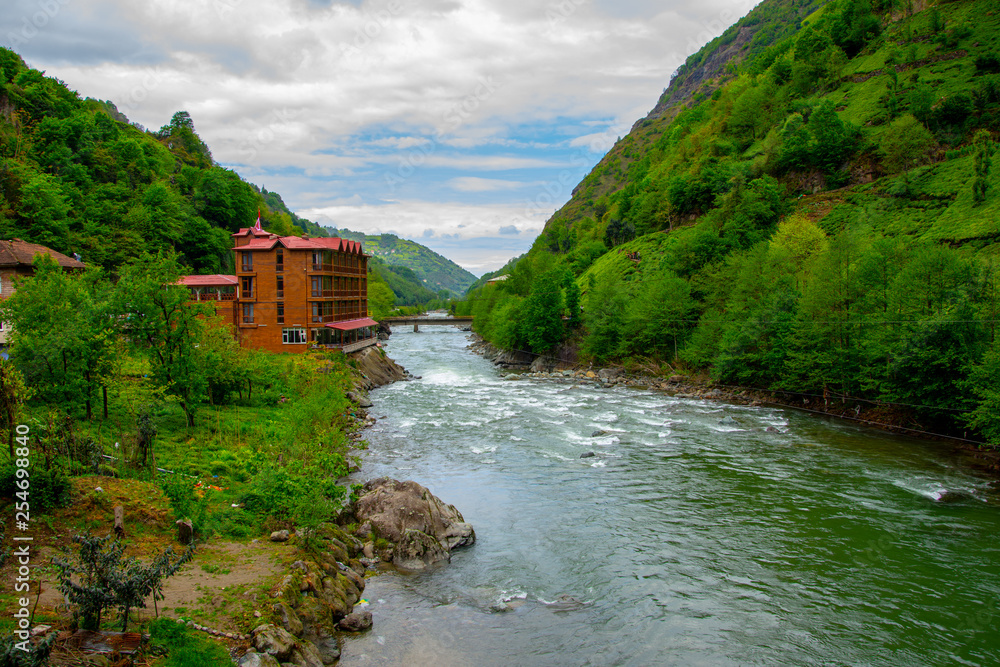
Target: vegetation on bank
x,y
820,216
128,382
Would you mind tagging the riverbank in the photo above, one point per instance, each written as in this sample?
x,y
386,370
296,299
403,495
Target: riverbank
x,y
886,418
256,564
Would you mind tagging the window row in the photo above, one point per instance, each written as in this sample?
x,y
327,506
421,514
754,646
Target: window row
x,y
324,311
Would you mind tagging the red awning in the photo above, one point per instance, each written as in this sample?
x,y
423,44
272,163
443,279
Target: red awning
x,y
351,325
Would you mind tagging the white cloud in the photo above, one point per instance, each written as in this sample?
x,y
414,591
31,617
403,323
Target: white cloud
x,y
324,101
476,184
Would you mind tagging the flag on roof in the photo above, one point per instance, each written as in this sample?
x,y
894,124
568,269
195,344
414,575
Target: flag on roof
x,y
257,226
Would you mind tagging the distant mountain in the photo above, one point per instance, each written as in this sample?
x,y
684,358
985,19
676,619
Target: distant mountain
x,y
434,271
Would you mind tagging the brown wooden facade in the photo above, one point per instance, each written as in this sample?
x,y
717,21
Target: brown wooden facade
x,y
291,293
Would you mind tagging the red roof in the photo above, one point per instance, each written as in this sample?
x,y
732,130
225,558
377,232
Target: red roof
x,y
302,243
215,280
350,325
16,252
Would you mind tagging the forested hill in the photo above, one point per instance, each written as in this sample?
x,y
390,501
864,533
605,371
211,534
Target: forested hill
x,y
810,207
434,271
77,177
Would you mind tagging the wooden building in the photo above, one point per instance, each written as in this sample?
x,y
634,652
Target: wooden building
x,y
16,257
217,290
291,293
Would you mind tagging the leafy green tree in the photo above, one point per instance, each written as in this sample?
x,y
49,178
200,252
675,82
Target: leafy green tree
x,y
657,318
572,297
982,384
101,577
905,144
543,313
824,351
62,333
224,199
13,395
984,153
159,321
855,26
604,319
44,212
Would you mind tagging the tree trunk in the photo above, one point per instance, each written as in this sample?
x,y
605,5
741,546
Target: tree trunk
x,y
188,413
104,390
119,521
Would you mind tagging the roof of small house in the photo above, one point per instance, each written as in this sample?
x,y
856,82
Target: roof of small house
x,y
214,280
15,252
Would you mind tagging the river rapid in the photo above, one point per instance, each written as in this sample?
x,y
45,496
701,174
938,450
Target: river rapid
x,y
694,536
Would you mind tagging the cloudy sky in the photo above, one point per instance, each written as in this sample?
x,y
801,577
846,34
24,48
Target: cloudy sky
x,y
462,124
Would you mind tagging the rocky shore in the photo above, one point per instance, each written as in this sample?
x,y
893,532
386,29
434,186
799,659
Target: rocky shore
x,y
391,524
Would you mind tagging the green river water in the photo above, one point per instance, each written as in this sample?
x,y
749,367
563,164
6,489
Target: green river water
x,y
687,540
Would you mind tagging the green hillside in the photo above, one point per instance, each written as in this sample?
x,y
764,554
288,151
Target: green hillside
x,y
433,271
78,177
810,207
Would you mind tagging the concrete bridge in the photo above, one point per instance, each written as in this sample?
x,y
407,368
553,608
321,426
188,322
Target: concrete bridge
x,y
417,320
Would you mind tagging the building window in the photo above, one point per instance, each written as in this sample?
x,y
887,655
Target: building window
x,y
281,312
247,313
322,311
281,287
279,260
246,284
246,261
293,336
321,286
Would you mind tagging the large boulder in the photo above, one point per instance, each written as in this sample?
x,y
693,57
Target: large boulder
x,y
274,641
253,659
388,508
418,550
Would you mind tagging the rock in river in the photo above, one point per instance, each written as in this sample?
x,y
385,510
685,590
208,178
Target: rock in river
x,y
423,529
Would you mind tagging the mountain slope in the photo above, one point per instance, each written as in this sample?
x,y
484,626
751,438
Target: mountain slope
x,y
434,271
810,207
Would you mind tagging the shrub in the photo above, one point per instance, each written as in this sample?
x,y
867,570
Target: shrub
x,y
101,577
988,64
50,488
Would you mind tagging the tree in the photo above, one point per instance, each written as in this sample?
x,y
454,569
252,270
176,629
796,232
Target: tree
x,y
572,297
159,320
62,333
604,319
13,394
543,313
984,153
101,577
982,383
905,144
657,317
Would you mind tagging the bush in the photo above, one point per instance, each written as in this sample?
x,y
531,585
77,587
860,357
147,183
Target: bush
x,y
988,64
184,501
184,648
50,488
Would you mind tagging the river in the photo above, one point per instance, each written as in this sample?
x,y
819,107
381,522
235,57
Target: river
x,y
689,539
